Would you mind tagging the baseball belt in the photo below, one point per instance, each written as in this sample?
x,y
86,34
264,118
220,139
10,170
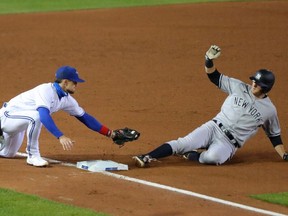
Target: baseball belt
x,y
228,134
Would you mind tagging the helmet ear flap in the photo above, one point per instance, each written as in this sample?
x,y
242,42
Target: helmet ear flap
x,y
265,89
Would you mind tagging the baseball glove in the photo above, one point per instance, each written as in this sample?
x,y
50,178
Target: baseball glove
x,y
121,136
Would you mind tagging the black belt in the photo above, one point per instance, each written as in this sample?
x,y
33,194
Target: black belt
x,y
228,134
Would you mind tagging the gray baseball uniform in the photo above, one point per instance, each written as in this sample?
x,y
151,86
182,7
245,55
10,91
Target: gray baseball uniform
x,y
241,115
245,110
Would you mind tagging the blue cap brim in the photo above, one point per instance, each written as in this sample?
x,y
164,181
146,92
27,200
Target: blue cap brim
x,y
77,80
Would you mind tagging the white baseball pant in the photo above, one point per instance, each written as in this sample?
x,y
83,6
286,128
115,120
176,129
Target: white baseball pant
x,y
14,125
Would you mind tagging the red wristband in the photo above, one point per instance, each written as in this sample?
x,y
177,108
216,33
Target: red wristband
x,y
105,131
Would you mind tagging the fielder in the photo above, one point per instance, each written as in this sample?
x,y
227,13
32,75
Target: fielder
x,y
28,111
245,110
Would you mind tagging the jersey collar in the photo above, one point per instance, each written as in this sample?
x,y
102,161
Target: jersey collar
x,y
59,91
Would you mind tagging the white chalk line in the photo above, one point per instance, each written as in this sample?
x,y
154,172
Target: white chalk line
x,y
181,191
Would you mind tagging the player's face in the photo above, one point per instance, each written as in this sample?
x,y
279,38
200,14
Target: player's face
x,y
69,86
256,90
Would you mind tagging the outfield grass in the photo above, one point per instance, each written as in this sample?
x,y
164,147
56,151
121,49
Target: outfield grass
x,y
28,6
13,203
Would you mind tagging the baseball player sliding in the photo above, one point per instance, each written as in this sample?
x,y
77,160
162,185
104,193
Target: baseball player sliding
x,y
245,110
28,111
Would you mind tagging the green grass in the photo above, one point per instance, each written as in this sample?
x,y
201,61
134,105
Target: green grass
x,y
13,203
28,6
276,198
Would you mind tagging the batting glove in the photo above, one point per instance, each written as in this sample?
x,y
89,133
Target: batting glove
x,y
213,52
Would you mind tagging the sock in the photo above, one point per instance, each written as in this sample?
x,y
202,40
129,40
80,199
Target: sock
x,y
194,156
162,151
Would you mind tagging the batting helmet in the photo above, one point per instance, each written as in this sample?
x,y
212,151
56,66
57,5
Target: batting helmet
x,y
264,78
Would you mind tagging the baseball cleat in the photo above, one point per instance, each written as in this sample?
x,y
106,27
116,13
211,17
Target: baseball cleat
x,y
142,161
36,161
2,143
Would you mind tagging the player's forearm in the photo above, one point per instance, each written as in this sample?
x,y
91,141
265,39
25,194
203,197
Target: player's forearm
x,y
212,54
92,123
210,70
209,65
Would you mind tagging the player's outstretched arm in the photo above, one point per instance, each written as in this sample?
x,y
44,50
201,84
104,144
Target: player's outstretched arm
x,y
212,53
119,136
92,123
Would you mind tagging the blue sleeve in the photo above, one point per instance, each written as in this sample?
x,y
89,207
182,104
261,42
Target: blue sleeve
x,y
90,122
48,122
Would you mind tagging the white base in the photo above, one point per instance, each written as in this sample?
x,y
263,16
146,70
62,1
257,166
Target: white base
x,y
101,165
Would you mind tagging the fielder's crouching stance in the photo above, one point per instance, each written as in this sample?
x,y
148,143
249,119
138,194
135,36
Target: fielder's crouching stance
x,y
245,110
28,111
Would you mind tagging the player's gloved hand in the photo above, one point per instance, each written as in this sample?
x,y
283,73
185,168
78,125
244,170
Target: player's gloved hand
x,y
285,156
123,135
213,52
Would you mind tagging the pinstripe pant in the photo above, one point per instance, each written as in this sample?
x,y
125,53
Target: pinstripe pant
x,y
14,125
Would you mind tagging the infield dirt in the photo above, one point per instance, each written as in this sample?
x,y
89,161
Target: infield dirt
x,y
144,68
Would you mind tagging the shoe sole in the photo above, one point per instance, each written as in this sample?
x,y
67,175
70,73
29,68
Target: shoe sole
x,y
138,162
44,165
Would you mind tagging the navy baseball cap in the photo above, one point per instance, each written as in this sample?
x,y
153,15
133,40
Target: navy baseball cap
x,y
69,73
